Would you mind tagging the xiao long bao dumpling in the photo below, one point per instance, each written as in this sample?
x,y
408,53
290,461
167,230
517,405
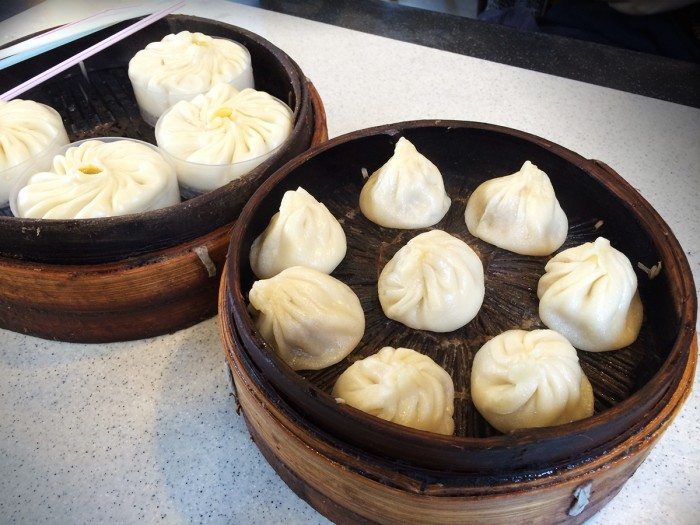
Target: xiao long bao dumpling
x,y
302,233
222,135
523,379
310,319
100,179
435,282
518,212
402,386
589,294
27,130
407,192
183,65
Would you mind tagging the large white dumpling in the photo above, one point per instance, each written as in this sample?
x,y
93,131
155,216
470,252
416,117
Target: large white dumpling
x,y
522,379
27,130
302,233
407,192
220,128
309,318
100,179
435,282
589,294
183,65
518,212
402,386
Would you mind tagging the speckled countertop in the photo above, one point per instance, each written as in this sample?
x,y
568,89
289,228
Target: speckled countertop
x,y
146,431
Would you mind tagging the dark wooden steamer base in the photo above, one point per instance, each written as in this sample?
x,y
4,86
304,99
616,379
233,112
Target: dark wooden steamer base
x,y
354,467
137,276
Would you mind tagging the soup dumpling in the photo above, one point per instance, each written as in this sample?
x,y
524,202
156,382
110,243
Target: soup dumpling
x,y
402,386
435,282
522,379
100,179
309,318
589,294
302,233
407,192
27,130
182,65
518,212
222,134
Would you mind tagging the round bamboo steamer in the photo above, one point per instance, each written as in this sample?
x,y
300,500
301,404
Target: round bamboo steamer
x,y
136,276
355,467
627,383
348,485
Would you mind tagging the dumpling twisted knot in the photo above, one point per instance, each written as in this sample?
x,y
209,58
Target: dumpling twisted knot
x,y
523,379
402,386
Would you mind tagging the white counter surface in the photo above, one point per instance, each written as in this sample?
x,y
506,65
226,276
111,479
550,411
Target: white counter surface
x,y
146,431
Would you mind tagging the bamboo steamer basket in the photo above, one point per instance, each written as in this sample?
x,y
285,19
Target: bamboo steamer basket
x,y
354,467
349,485
140,275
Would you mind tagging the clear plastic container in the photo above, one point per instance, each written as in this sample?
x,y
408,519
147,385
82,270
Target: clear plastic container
x,y
169,197
197,178
154,102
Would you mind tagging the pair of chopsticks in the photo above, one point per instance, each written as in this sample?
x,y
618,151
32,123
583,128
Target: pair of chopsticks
x,y
86,53
66,33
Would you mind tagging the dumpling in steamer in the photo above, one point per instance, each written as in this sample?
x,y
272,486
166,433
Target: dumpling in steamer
x,y
523,379
435,282
302,233
27,130
589,294
518,212
100,179
309,318
402,386
183,65
223,134
407,192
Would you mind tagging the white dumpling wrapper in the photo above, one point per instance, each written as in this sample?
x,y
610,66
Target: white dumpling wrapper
x,y
236,130
402,386
518,212
302,233
28,130
407,192
522,379
309,318
100,179
435,282
183,65
589,294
